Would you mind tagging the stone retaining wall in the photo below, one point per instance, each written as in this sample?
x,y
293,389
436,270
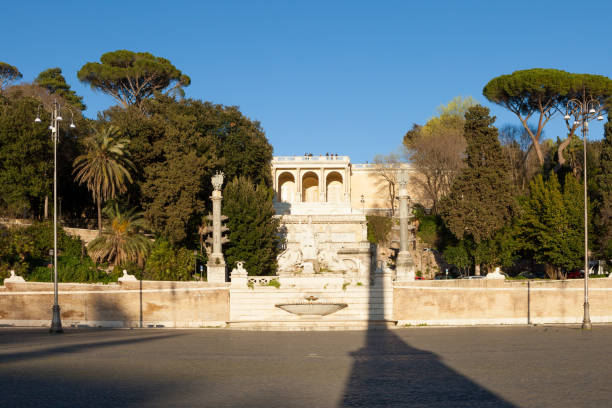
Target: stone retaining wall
x,y
126,304
243,305
473,302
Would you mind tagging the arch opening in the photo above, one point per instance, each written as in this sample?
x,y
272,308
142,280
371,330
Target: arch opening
x,y
310,187
334,188
286,188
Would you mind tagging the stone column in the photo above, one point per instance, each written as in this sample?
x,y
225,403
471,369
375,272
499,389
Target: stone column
x,y
404,270
298,184
322,186
347,185
216,263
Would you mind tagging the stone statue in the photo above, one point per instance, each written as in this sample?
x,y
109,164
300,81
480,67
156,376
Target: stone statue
x,y
329,259
496,274
217,180
308,245
127,277
14,278
239,269
288,260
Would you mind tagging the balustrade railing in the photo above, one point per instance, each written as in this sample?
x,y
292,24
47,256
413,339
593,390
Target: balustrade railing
x,y
313,158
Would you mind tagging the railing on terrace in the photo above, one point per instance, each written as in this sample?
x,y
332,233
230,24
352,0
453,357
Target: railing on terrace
x,y
261,280
313,158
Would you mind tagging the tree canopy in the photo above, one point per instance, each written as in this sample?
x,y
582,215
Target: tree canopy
x,y
121,241
105,166
53,80
253,229
26,159
177,146
130,77
436,149
604,193
543,92
8,74
551,225
481,199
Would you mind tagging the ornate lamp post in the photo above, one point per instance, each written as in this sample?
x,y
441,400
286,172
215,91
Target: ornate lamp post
x,y
584,110
56,119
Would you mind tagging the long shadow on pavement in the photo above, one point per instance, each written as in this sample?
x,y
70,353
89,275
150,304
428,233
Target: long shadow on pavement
x,y
53,376
76,347
387,372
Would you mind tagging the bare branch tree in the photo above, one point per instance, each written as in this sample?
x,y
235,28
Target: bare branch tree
x,y
387,167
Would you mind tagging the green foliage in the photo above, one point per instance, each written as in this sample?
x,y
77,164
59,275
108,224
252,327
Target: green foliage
x,y
458,255
481,199
131,77
603,218
429,230
167,262
551,224
253,229
26,250
8,74
274,283
105,166
379,228
177,146
122,241
436,150
501,249
53,80
544,92
26,158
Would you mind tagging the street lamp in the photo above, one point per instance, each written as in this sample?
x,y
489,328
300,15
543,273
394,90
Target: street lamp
x,y
56,118
362,203
584,110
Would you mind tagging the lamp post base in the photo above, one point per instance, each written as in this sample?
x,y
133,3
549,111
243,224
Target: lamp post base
x,y
586,322
56,322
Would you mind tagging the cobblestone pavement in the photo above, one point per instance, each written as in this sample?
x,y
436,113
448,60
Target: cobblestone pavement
x,y
413,367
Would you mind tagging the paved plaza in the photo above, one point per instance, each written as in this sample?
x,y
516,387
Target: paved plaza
x,y
413,367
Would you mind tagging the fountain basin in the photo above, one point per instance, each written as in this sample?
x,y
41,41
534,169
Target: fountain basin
x,y
311,309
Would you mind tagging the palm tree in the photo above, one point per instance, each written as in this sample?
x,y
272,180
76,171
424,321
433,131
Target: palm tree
x,y
122,240
104,167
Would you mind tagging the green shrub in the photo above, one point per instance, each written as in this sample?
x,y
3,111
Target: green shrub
x,y
167,262
275,283
26,250
379,228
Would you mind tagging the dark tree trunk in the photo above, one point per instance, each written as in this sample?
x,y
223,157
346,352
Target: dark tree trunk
x,y
99,216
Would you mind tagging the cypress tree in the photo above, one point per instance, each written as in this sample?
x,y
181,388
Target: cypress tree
x,y
603,218
481,200
551,224
253,229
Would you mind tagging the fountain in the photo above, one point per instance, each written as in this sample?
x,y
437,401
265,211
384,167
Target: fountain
x,y
309,308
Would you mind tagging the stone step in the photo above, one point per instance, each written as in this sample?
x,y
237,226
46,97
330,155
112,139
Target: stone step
x,y
312,325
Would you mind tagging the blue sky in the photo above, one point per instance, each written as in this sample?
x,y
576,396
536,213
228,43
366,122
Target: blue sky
x,y
346,77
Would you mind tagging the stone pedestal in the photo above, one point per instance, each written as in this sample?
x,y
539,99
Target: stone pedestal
x,y
239,276
215,272
404,270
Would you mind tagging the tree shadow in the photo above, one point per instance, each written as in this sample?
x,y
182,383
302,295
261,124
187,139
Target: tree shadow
x,y
387,372
52,377
71,348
